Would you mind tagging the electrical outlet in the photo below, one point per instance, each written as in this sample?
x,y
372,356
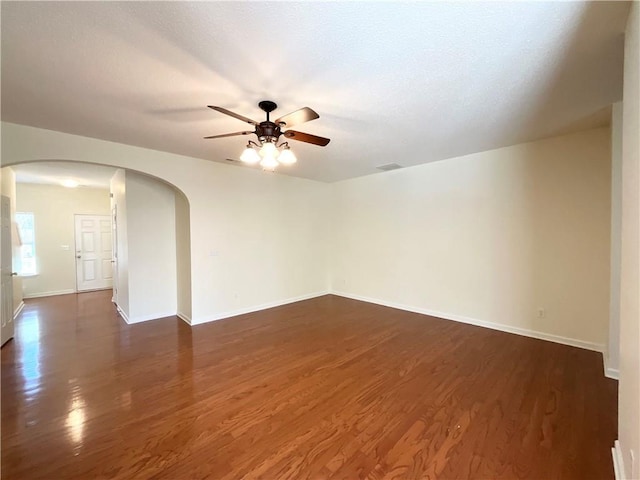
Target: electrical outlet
x,y
542,313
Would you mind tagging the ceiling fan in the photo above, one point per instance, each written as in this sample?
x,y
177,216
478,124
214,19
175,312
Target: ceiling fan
x,y
270,153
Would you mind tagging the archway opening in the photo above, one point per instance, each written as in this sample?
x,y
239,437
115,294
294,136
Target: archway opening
x,y
156,248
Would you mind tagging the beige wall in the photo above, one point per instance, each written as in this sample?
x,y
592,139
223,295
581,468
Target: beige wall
x,y
629,386
487,238
54,208
183,255
514,230
121,276
257,239
151,234
8,189
150,219
612,358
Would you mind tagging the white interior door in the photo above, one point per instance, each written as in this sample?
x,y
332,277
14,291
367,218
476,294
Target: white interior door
x,y
6,271
93,252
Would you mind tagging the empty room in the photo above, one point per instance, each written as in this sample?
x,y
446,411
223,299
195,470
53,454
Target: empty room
x,y
341,240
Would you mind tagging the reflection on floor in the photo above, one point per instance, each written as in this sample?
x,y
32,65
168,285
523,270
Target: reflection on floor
x,y
325,388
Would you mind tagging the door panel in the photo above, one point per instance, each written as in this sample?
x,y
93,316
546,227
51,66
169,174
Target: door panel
x,y
107,269
6,274
87,241
93,252
89,270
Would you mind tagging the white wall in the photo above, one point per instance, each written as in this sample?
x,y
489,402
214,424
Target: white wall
x,y
121,278
183,256
263,242
151,233
146,286
629,386
486,238
489,237
8,189
613,346
54,208
257,239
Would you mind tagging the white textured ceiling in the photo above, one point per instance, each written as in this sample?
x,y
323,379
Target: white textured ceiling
x,y
396,82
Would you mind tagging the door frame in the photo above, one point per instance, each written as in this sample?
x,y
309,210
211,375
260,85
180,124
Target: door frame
x,y
114,253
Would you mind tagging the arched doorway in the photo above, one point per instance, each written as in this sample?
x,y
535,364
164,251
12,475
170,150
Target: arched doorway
x,y
156,248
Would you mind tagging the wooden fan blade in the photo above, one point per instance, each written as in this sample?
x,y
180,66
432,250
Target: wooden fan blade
x,y
232,114
307,138
299,116
229,135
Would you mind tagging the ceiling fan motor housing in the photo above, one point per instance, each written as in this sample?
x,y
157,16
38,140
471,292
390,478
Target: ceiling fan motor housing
x,y
268,131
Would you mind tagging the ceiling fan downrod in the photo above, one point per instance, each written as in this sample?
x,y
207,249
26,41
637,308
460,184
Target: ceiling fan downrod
x,y
268,131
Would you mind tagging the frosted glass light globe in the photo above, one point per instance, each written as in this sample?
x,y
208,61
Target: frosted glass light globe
x,y
269,149
250,156
269,162
287,157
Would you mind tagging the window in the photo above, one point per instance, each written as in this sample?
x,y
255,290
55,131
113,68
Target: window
x,y
28,243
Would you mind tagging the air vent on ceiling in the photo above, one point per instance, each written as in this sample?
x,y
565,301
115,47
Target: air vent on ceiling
x,y
389,166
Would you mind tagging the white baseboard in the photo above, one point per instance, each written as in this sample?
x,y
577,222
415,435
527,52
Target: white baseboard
x,y
49,294
147,318
264,306
613,373
122,314
184,317
94,290
597,347
18,310
618,461
142,318
609,371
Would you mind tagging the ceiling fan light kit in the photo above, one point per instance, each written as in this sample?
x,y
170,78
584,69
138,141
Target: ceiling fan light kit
x,y
250,155
287,157
268,152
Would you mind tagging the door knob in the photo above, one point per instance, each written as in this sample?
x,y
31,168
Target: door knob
x,y
78,256
13,274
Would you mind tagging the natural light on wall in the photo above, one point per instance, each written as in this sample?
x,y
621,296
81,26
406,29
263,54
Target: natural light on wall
x,y
27,242
69,183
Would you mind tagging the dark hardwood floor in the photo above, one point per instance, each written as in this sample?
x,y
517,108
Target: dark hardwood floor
x,y
325,388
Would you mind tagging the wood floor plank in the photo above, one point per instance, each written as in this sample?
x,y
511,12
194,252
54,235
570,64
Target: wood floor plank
x,y
325,388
